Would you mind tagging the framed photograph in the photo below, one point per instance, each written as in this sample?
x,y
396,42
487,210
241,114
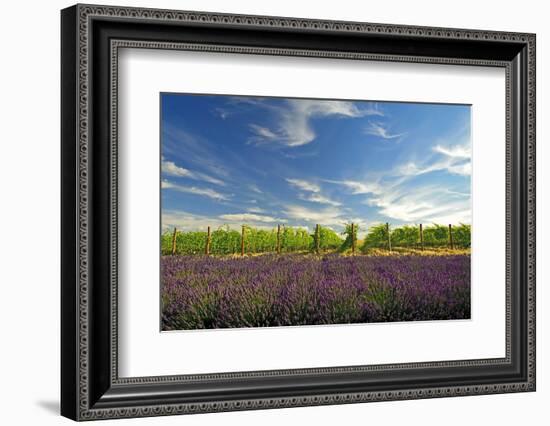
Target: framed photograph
x,y
263,212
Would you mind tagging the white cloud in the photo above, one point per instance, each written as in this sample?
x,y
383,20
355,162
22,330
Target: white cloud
x,y
304,185
313,192
454,165
263,132
255,188
255,209
199,151
223,113
457,193
327,108
249,217
206,192
358,187
453,218
425,204
166,185
396,196
293,120
186,221
379,130
413,169
172,169
456,151
455,159
464,169
296,154
327,216
318,198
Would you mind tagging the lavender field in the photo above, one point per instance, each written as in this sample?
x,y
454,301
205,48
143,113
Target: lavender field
x,y
202,292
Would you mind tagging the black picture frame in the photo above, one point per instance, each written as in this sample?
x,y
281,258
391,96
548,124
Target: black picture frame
x,y
90,386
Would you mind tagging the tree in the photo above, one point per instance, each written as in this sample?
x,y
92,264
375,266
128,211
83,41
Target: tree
x,y
350,237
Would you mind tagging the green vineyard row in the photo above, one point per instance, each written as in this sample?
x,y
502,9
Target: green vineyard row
x,y
285,239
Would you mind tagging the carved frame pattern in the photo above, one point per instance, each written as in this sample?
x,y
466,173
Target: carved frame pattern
x,y
85,13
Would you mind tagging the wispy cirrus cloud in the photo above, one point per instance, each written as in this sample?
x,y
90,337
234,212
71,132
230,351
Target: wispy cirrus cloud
x,y
171,169
198,151
459,158
330,216
377,180
427,204
401,196
186,221
327,216
454,151
263,132
318,198
457,193
254,188
223,113
464,169
304,185
250,217
397,200
455,159
311,192
356,187
205,192
382,131
256,209
294,117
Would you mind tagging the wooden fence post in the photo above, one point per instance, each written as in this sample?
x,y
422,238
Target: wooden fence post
x,y
451,236
421,238
207,248
317,238
242,241
174,241
389,237
352,238
279,239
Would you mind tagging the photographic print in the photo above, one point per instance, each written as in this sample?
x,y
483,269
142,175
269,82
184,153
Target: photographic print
x,y
298,212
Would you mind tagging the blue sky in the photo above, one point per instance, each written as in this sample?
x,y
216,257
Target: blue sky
x,y
229,160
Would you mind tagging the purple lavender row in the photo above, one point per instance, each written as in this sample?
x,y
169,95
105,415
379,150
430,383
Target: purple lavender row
x,y
265,291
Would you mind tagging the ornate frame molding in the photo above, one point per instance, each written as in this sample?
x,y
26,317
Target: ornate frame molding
x,y
80,19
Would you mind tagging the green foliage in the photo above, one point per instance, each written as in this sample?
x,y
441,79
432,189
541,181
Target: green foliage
x,y
186,243
260,240
436,235
405,236
377,237
462,235
166,243
224,241
409,236
328,239
190,242
348,240
228,241
295,239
